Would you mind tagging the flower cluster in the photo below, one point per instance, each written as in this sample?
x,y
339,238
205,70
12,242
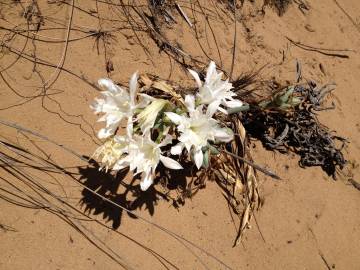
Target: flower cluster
x,y
193,126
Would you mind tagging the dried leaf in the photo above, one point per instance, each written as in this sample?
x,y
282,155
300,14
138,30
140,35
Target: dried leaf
x,y
144,79
244,223
163,86
239,187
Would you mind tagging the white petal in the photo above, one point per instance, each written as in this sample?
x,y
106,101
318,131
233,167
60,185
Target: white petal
x,y
223,134
177,149
196,77
120,139
170,163
206,96
234,103
132,87
109,85
213,107
188,145
121,164
210,71
175,118
103,134
112,119
190,102
129,127
147,97
222,110
167,140
147,181
97,105
189,138
199,158
106,132
109,106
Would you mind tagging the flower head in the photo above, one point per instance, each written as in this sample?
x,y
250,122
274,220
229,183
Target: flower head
x,y
139,153
214,91
196,130
117,104
111,152
144,156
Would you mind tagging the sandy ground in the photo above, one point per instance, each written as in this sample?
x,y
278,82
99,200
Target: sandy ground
x,y
308,221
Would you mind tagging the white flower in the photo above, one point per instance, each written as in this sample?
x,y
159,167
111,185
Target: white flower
x,y
144,156
111,151
215,91
117,105
196,130
148,116
139,153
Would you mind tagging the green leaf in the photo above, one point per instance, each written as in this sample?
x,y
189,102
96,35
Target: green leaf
x,y
284,98
242,108
213,150
205,148
206,159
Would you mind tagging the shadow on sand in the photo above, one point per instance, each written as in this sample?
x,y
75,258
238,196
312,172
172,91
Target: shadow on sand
x,y
127,193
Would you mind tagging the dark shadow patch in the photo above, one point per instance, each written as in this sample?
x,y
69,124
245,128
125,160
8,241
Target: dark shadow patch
x,y
127,194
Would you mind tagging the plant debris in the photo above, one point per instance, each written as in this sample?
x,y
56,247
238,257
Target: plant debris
x,y
288,122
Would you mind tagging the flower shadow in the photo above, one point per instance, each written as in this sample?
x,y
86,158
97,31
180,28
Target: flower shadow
x,y
104,192
105,185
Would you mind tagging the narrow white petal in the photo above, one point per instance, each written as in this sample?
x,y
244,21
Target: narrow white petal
x,y
190,102
212,108
120,139
106,132
210,71
167,140
199,158
147,181
170,163
121,164
129,127
147,97
222,110
234,103
188,145
97,105
112,119
189,138
109,106
132,87
196,77
223,134
108,85
177,149
175,118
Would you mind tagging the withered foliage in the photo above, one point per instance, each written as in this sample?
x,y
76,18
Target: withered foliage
x,y
288,122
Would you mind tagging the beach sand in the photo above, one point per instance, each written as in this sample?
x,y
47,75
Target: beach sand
x,y
308,220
